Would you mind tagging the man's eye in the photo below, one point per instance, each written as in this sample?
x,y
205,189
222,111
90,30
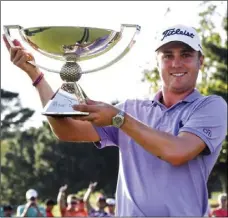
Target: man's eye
x,y
168,56
186,55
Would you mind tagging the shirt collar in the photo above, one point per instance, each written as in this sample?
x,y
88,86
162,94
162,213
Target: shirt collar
x,y
190,98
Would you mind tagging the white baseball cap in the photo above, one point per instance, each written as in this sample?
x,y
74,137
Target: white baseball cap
x,y
181,33
110,201
31,193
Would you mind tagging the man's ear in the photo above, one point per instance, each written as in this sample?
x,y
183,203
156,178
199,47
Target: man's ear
x,y
201,61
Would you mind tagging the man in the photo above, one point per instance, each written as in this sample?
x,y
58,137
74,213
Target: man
x,y
168,145
74,207
49,207
222,210
81,208
31,209
111,206
100,203
7,211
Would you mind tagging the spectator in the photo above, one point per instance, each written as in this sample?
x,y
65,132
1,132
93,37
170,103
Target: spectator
x,y
81,208
73,208
7,211
31,209
111,206
222,210
100,203
49,207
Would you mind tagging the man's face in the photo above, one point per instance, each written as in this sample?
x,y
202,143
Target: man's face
x,y
73,203
224,202
101,204
33,200
111,208
178,65
81,205
8,213
50,207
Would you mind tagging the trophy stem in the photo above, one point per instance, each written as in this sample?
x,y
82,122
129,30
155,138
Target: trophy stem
x,y
74,88
79,94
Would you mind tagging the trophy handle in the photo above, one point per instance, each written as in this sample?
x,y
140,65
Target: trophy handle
x,y
126,50
6,30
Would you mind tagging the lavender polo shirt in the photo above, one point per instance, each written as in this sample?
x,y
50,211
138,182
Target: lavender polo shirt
x,y
149,186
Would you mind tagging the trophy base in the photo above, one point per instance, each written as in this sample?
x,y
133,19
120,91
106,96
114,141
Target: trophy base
x,y
61,105
66,114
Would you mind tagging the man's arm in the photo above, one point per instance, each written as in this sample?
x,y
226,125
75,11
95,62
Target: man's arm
x,y
61,199
40,211
87,196
207,126
65,129
192,139
173,149
23,212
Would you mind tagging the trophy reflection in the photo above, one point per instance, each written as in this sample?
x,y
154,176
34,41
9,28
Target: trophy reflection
x,y
72,45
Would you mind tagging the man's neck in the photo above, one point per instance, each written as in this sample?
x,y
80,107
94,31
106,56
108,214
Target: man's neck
x,y
170,98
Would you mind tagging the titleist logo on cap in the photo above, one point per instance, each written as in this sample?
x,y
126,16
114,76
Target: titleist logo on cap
x,y
170,32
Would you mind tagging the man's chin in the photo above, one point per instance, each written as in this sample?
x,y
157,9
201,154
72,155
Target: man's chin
x,y
180,89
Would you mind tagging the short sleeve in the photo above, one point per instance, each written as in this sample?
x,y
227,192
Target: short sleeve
x,y
109,134
209,122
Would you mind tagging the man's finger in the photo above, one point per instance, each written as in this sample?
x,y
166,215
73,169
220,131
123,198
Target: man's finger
x,y
21,61
17,43
6,42
91,102
89,117
85,108
14,52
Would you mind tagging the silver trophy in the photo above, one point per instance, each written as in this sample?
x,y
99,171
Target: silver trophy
x,y
72,45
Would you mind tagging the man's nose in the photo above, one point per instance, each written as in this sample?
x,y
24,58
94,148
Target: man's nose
x,y
177,62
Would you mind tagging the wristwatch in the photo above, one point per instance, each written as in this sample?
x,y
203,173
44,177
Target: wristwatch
x,y
118,120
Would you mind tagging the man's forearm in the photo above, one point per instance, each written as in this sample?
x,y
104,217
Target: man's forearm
x,y
87,197
63,128
61,199
160,144
24,213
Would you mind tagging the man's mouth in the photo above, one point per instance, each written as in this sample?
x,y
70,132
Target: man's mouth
x,y
178,74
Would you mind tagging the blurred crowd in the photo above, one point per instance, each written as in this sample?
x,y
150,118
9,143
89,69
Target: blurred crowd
x,y
72,206
69,206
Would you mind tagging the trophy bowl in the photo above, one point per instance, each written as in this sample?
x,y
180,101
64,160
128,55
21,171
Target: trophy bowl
x,y
72,45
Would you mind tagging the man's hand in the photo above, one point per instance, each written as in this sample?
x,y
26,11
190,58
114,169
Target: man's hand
x,y
63,188
100,113
20,57
28,204
92,185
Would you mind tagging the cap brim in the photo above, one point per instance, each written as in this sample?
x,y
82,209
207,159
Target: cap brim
x,y
193,46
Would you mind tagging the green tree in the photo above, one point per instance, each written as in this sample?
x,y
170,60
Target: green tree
x,y
13,116
37,159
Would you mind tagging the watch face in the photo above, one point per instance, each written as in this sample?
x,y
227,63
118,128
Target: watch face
x,y
118,120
